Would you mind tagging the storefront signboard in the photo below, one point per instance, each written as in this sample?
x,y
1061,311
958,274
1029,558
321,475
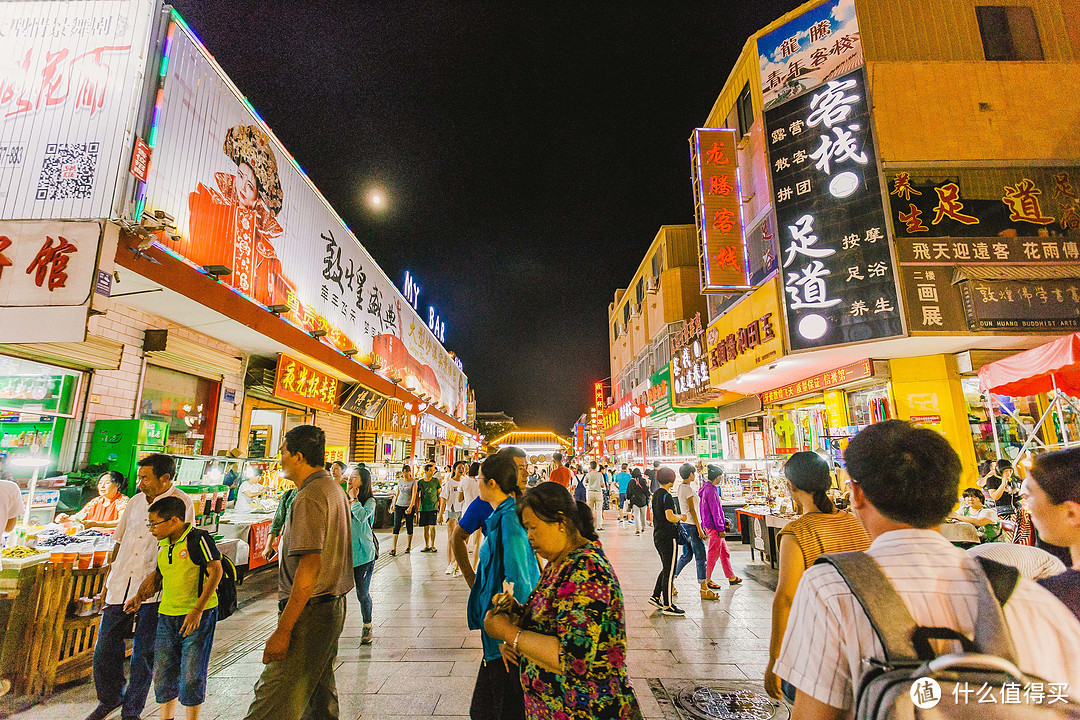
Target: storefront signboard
x,y
48,272
722,257
305,385
598,414
240,200
690,373
804,52
1037,305
69,85
747,336
1025,203
821,381
835,255
363,402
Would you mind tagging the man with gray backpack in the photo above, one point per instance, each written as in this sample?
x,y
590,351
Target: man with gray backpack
x,y
915,627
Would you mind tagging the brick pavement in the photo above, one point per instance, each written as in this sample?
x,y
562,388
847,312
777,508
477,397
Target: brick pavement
x,y
424,659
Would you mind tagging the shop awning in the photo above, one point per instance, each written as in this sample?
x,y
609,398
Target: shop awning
x,y
1037,370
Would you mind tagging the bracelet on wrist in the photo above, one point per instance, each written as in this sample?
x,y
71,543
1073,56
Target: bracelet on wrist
x,y
516,638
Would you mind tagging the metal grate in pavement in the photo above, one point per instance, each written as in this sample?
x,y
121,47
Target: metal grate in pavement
x,y
254,638
715,700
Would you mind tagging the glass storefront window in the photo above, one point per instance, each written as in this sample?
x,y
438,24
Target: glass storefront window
x,y
188,403
869,406
36,388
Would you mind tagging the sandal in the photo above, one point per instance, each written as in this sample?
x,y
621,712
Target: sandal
x,y
709,595
408,550
734,581
713,586
393,553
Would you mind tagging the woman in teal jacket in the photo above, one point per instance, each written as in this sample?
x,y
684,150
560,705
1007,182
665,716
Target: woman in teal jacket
x,y
506,555
362,515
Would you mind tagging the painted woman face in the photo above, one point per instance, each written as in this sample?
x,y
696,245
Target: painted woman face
x,y
247,192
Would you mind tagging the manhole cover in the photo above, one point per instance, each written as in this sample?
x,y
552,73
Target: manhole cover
x,y
716,702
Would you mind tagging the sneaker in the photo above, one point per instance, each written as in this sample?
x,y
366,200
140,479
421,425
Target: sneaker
x,y
365,636
101,712
449,569
655,602
673,611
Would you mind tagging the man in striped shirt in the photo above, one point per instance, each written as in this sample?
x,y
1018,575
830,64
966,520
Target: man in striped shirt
x,y
904,483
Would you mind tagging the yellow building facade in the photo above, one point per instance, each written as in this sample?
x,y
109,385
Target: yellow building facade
x,y
982,102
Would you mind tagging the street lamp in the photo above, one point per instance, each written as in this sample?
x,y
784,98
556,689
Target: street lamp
x,y
415,411
642,412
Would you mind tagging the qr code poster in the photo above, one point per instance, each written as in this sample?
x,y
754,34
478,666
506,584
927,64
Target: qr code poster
x,y
44,263
68,94
67,171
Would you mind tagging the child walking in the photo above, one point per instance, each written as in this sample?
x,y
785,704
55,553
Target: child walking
x,y
188,572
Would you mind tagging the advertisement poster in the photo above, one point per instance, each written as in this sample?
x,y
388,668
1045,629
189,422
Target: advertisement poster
x,y
817,46
69,83
240,200
835,259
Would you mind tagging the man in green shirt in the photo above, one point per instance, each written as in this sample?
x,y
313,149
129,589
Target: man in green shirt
x,y
187,614
428,490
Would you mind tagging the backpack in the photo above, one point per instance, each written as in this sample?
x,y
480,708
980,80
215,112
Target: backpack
x,y
911,682
226,589
580,493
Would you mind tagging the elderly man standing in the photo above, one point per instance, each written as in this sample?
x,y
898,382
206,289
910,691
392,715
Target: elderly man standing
x,y
134,558
314,575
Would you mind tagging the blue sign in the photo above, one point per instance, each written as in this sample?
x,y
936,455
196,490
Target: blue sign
x,y
103,286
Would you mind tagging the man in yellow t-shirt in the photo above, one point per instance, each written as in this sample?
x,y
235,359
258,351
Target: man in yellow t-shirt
x,y
188,610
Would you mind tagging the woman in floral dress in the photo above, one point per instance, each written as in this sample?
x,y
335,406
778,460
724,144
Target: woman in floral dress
x,y
570,637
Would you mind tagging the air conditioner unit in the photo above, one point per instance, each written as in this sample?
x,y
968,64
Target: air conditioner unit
x,y
652,285
635,311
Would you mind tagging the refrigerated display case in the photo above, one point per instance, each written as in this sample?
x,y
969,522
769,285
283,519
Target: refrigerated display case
x,y
36,402
120,444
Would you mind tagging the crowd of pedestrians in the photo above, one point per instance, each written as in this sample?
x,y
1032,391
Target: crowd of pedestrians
x,y
546,599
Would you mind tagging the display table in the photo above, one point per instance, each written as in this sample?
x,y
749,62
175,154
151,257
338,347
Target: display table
x,y
959,532
758,528
253,529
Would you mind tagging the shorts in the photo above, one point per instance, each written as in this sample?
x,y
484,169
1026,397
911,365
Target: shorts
x,y
453,515
622,499
181,663
399,515
427,518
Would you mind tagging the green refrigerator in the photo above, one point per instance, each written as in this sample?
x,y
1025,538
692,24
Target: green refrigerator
x,y
120,444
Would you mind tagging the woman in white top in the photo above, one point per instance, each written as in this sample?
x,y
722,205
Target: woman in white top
x,y
249,490
451,503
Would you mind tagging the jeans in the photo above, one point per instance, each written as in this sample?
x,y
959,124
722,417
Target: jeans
x,y
399,515
109,658
667,550
693,547
718,550
789,691
362,577
180,663
301,685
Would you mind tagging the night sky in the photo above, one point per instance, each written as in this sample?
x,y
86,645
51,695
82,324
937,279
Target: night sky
x,y
530,153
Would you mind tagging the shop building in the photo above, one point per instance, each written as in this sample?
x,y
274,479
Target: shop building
x,y
891,235
661,300
165,295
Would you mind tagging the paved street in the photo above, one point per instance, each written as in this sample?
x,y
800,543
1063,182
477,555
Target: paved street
x,y
424,659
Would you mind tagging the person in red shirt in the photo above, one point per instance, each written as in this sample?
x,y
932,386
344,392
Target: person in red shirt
x,y
103,512
561,474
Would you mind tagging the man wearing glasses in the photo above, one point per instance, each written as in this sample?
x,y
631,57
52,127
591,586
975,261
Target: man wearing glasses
x,y
133,560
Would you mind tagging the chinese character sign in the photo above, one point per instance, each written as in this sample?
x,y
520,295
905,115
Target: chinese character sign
x,y
302,384
722,251
801,54
69,83
240,201
1031,202
835,257
47,263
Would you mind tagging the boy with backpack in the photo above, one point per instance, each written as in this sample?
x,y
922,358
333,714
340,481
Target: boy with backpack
x,y
189,569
